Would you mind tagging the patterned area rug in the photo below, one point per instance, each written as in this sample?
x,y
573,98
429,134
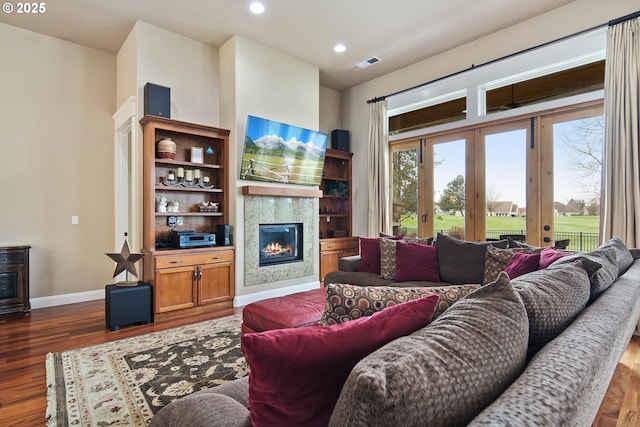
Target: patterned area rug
x,y
125,382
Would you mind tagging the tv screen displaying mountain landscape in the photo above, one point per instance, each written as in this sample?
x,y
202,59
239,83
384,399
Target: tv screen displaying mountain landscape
x,y
277,152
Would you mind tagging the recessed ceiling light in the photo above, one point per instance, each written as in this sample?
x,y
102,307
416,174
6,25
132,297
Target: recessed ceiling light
x,y
339,48
256,7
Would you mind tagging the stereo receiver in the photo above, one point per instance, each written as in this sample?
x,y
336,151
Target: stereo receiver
x,y
190,239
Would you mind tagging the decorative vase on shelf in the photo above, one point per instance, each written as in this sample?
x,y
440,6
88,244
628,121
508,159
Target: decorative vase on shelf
x,y
166,149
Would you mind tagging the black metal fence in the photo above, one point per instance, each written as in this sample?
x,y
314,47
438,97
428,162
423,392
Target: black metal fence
x,y
578,240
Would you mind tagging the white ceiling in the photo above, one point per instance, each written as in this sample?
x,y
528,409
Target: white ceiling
x,y
400,32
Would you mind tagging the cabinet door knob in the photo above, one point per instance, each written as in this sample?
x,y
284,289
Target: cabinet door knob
x,y
178,261
217,257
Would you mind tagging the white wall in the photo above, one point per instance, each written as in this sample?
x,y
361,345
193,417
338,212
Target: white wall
x,y
574,17
187,66
330,117
269,84
57,145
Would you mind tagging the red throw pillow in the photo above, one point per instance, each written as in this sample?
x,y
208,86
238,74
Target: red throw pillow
x,y
521,263
549,255
370,255
296,374
415,261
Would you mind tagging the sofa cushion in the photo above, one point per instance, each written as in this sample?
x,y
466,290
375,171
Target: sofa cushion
x,y
553,298
348,302
388,254
289,311
295,375
443,374
461,262
415,261
370,255
496,259
521,263
203,409
549,255
624,259
601,278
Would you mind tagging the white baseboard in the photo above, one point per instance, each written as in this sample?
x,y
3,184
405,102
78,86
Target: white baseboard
x,y
63,299
242,300
238,301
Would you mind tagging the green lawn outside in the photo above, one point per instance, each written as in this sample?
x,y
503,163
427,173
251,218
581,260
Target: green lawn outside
x,y
585,224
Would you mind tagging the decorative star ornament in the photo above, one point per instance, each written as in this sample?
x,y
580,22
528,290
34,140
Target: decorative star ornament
x,y
125,260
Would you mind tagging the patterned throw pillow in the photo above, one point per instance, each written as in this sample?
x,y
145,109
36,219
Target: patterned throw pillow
x,y
497,259
388,258
443,374
348,302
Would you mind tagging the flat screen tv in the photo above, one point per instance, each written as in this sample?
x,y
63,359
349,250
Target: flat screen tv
x,y
277,152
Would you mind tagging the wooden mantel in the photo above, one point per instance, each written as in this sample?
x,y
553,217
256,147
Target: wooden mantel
x,y
255,190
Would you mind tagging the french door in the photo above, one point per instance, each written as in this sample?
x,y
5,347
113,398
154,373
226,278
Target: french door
x,y
519,177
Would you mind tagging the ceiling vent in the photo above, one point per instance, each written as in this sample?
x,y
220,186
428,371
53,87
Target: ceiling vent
x,y
368,62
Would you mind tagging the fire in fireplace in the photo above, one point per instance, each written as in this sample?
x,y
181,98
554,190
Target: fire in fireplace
x,y
280,243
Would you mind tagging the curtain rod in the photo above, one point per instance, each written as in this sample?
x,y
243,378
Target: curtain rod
x,y
624,19
473,66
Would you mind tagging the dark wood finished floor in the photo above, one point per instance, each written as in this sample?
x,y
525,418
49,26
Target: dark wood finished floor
x,y
25,342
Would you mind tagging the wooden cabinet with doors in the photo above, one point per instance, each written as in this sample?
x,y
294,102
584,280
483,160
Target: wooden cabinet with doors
x,y
336,211
186,279
14,280
194,183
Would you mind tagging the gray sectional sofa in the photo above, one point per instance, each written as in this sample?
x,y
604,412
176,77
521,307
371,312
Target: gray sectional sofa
x,y
539,349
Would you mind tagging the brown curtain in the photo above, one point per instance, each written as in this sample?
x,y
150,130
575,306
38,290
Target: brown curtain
x,y
621,161
378,169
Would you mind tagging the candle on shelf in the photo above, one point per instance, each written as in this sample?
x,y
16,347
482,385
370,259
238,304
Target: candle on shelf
x,y
205,178
171,176
196,174
189,175
180,172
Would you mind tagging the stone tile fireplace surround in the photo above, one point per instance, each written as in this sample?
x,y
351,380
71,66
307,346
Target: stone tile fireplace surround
x,y
275,209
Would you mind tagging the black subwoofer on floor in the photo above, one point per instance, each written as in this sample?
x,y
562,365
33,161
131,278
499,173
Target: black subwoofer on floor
x,y
126,305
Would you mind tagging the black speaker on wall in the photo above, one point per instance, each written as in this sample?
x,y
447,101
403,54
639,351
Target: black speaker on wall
x,y
223,236
157,100
340,139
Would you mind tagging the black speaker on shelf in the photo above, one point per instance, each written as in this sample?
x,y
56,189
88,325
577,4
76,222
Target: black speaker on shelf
x,y
340,139
223,236
157,100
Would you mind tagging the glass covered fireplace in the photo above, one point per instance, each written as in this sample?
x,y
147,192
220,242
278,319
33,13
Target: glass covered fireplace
x,y
280,243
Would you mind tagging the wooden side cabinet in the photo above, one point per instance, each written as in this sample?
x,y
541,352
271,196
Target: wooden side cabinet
x,y
184,279
331,250
14,280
